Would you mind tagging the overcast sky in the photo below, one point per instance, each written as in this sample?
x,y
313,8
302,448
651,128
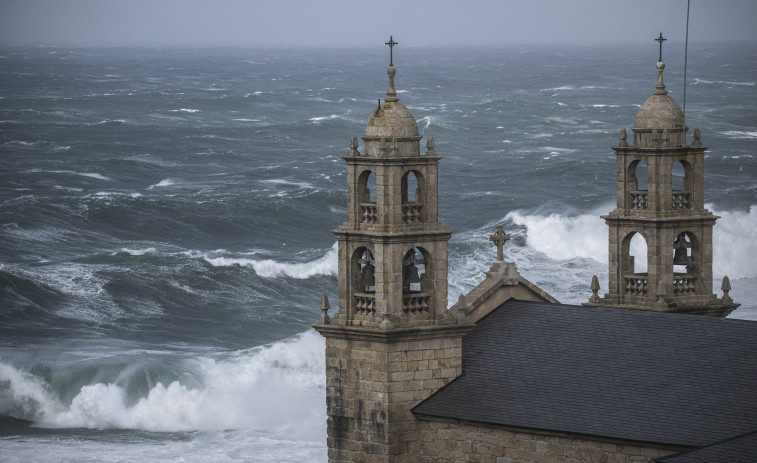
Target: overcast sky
x,y
348,22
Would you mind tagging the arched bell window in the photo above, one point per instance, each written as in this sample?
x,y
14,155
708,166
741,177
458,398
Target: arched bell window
x,y
366,271
413,271
411,187
682,253
635,254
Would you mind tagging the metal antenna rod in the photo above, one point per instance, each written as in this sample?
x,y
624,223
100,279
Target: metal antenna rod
x,y
685,67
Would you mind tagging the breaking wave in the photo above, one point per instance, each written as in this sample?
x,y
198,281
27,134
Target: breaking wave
x,y
274,385
268,268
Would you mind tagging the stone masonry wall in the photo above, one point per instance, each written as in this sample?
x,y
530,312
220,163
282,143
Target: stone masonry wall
x,y
451,441
371,387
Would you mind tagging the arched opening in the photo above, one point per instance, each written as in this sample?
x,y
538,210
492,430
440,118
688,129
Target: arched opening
x,y
638,174
683,252
411,183
366,197
413,271
681,182
365,265
678,173
635,253
366,187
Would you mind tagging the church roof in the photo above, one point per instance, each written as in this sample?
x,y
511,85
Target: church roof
x,y
625,374
741,449
391,119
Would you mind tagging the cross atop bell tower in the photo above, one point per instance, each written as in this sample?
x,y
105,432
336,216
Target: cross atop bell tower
x,y
660,246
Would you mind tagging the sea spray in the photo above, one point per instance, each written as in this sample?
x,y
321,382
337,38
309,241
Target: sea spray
x,y
270,386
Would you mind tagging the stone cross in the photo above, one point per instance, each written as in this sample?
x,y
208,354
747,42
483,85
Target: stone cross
x,y
499,238
392,43
660,39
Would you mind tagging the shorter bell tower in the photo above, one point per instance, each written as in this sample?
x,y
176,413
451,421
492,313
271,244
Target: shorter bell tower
x,y
660,205
391,344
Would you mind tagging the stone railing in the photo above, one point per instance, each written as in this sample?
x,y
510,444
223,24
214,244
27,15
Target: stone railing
x,y
681,199
684,284
639,199
415,302
636,284
368,212
365,303
411,212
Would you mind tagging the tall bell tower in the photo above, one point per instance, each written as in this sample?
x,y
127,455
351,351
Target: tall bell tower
x,y
391,343
660,198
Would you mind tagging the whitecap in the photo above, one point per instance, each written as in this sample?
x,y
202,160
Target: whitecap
x,y
740,134
162,183
268,268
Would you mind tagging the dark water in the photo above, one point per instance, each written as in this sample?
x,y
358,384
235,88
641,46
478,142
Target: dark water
x,y
165,219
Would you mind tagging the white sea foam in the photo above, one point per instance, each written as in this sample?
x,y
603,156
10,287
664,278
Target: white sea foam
x,y
137,252
740,134
185,110
82,174
162,183
267,387
268,268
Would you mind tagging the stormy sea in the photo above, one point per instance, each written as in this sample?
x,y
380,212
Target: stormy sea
x,y
166,217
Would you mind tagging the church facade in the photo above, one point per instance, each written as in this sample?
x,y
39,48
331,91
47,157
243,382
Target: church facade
x,y
508,374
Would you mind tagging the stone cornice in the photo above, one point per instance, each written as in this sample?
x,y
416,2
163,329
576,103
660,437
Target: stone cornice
x,y
394,333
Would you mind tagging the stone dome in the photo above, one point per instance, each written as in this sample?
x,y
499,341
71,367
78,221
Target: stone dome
x,y
391,120
660,111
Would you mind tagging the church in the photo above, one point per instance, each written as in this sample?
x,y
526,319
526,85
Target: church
x,y
649,371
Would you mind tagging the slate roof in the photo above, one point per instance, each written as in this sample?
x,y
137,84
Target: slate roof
x,y
643,376
742,449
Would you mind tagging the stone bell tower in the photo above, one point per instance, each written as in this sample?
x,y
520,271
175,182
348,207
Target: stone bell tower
x,y
391,343
660,197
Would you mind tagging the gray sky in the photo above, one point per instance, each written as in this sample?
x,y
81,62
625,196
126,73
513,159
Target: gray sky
x,y
347,22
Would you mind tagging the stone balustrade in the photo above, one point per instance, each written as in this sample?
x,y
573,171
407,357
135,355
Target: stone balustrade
x,y
415,302
684,284
365,303
681,199
411,212
639,199
636,284
369,212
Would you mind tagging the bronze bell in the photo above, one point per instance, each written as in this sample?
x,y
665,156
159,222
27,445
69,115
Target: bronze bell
x,y
411,274
368,275
680,255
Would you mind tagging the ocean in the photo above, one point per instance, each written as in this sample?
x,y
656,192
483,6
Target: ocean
x,y
166,217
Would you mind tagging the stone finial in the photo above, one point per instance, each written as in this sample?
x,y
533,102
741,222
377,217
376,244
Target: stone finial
x,y
594,290
660,89
391,93
622,138
726,288
430,145
662,293
697,138
353,147
499,238
324,318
